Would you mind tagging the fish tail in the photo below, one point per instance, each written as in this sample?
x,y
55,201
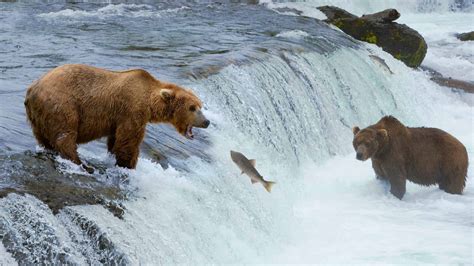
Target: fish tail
x,y
268,186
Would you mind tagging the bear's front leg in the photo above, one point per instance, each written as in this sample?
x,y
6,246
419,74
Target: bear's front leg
x,y
398,186
127,144
379,174
396,174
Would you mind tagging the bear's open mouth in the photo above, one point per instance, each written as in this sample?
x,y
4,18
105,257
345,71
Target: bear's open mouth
x,y
189,132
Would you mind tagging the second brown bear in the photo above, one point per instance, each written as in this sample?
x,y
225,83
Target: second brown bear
x,y
424,156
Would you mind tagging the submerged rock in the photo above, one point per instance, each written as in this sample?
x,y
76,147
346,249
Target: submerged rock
x,y
37,174
467,36
399,40
455,84
449,82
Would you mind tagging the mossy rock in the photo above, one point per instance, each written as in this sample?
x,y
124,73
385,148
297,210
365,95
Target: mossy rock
x,y
468,36
399,40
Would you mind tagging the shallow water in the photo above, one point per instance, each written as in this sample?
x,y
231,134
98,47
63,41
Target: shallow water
x,y
280,88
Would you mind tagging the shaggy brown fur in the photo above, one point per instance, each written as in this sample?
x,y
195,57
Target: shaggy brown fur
x,y
75,104
425,156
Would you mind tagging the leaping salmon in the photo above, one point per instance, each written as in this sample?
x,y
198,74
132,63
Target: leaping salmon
x,y
248,167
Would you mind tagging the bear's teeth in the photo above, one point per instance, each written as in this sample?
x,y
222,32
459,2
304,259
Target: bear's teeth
x,y
189,132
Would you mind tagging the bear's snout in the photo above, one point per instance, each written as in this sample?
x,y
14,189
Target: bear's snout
x,y
201,121
361,153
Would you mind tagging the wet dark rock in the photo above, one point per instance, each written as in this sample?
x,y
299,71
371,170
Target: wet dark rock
x,y
454,83
449,82
289,10
467,36
37,174
385,16
399,40
165,146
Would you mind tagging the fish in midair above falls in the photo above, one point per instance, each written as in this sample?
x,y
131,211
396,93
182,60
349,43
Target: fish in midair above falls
x,y
381,63
248,167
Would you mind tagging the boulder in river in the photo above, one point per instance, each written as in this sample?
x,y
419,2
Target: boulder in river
x,y
401,41
467,36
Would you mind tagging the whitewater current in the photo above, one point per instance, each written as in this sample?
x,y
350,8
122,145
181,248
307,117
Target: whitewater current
x,y
291,107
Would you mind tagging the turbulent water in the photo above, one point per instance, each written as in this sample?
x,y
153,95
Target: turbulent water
x,y
280,88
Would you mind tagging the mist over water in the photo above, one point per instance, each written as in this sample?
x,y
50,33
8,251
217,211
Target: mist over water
x,y
286,93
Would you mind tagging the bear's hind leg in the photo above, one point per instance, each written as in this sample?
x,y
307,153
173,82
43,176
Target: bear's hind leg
x,y
451,187
67,147
453,177
42,141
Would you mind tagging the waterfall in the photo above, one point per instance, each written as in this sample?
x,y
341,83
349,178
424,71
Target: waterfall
x,y
360,7
291,107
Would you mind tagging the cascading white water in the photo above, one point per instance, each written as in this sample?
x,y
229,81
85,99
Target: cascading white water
x,y
302,105
293,112
360,7
438,21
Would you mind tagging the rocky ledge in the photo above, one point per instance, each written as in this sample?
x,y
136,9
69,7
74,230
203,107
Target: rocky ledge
x,y
379,28
37,174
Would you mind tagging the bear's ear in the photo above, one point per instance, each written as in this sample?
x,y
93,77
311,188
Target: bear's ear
x,y
382,133
355,130
166,94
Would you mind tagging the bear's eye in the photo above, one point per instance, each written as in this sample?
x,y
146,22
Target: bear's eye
x,y
192,108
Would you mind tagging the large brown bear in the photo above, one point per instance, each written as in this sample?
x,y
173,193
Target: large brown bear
x,y
425,156
75,104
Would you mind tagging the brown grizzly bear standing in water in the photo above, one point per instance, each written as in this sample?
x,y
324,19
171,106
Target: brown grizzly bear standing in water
x,y
75,104
425,156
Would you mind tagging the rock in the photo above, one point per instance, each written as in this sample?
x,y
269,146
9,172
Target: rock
x,y
37,174
333,13
289,10
454,83
399,40
449,82
468,36
385,16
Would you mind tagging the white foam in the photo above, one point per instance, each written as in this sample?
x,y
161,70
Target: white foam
x,y
111,10
360,7
306,9
5,257
293,34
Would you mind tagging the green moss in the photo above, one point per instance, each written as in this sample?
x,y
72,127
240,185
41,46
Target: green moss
x,y
370,37
338,23
419,55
